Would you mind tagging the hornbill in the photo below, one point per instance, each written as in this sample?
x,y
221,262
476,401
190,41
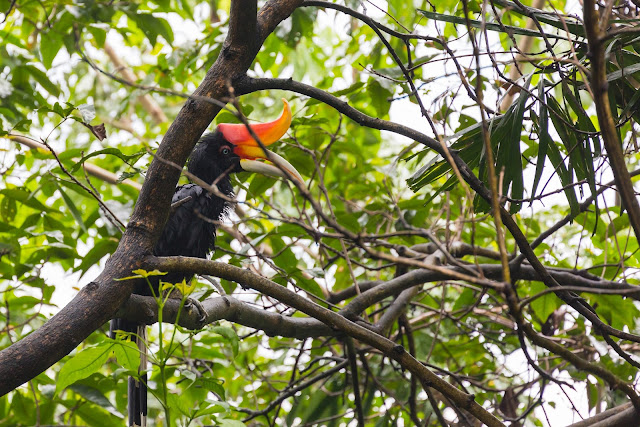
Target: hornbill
x,y
191,228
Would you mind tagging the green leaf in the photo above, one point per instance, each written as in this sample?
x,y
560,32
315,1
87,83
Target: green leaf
x,y
127,354
83,364
99,34
308,285
566,177
9,38
226,116
468,143
317,273
94,417
505,139
213,408
592,395
23,408
550,18
229,334
580,157
26,198
624,72
618,312
96,396
486,25
211,385
586,155
177,401
8,209
152,27
72,208
96,253
511,160
41,77
353,88
466,299
50,44
259,184
22,125
546,304
543,143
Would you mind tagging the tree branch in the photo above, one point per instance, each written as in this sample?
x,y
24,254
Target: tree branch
x,y
98,301
610,137
247,85
331,319
91,169
491,271
290,391
620,416
145,310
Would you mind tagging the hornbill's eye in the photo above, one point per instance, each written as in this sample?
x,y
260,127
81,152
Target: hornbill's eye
x,y
225,150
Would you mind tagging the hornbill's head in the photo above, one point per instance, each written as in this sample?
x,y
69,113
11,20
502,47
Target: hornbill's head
x,y
232,148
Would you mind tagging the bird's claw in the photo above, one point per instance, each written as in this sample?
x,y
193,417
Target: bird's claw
x,y
199,307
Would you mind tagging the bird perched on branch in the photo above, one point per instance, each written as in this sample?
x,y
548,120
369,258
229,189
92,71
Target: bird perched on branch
x,y
191,228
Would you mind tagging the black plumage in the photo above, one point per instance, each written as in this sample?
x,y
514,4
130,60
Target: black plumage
x,y
190,231
191,228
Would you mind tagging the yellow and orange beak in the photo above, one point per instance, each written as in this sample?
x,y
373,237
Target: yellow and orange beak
x,y
250,152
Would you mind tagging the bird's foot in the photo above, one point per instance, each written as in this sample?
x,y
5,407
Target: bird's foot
x,y
199,307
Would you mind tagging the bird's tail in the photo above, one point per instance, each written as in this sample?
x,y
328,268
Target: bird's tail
x,y
137,390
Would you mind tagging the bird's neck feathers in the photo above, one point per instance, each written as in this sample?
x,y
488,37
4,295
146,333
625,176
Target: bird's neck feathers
x,y
205,164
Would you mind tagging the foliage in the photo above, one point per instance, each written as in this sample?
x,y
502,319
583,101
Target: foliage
x,y
403,201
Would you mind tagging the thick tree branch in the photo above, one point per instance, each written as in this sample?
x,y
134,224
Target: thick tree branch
x,y
242,27
621,416
248,85
97,302
145,310
395,310
600,92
